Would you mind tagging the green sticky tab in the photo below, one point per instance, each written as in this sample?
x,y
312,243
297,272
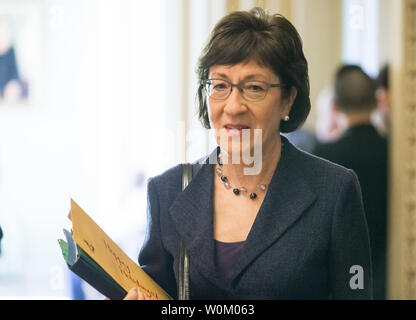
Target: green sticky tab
x,y
64,248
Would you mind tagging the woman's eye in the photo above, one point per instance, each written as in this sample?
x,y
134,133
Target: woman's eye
x,y
219,86
254,87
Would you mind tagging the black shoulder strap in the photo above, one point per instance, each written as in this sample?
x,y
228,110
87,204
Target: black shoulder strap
x,y
183,284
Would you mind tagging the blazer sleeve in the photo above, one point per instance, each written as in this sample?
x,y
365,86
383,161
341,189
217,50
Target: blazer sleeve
x,y
153,257
350,257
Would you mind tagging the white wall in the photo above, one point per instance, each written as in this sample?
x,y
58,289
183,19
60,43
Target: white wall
x,y
100,121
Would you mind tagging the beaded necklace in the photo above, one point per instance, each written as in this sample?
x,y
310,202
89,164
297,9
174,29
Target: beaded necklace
x,y
236,190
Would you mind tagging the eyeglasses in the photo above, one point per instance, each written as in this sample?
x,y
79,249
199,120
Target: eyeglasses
x,y
251,90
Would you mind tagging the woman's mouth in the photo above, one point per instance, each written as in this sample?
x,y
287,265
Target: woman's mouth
x,y
235,129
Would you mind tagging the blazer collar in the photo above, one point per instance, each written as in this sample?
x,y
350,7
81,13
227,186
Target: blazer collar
x,y
287,198
192,214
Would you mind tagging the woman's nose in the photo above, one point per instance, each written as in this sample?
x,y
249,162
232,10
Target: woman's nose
x,y
235,102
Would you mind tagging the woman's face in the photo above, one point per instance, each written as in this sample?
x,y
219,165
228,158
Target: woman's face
x,y
232,116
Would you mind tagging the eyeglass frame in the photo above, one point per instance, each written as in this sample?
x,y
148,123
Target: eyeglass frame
x,y
238,85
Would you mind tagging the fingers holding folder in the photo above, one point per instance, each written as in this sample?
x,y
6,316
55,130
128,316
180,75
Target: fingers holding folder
x,y
133,294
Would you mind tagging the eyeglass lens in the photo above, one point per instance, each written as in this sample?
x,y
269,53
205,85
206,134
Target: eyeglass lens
x,y
251,90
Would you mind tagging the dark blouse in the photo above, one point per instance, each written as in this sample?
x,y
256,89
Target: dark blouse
x,y
227,255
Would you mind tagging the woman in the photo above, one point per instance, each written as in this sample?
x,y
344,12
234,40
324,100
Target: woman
x,y
293,230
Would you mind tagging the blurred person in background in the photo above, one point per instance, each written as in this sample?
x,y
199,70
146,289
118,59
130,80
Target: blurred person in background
x,y
381,115
10,87
328,125
362,149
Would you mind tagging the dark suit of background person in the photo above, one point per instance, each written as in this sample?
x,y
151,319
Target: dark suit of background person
x,y
309,232
363,150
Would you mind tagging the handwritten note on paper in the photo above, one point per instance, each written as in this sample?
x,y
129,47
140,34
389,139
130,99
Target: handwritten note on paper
x,y
99,246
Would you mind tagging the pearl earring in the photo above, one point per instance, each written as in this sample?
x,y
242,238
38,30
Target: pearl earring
x,y
286,118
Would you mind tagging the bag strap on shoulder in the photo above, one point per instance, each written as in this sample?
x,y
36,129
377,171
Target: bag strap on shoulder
x,y
183,284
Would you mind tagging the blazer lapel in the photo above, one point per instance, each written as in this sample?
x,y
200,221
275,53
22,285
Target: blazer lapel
x,y
287,199
192,214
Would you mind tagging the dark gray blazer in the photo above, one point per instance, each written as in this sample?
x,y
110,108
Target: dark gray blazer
x,y
308,234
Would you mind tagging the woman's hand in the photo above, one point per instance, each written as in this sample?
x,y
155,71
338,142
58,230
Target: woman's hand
x,y
133,294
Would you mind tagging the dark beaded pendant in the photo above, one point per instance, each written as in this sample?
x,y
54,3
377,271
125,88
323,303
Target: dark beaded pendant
x,y
253,196
223,178
219,159
236,191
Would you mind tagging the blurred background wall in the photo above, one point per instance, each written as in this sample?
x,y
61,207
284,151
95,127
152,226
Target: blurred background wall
x,y
107,100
